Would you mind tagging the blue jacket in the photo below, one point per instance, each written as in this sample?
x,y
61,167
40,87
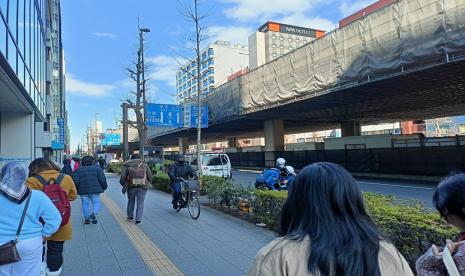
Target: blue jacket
x,y
40,206
90,180
270,177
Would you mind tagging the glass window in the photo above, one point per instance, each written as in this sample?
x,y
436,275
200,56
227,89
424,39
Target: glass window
x,y
11,54
281,38
273,37
274,55
12,19
304,41
297,40
3,36
273,46
210,52
282,46
211,62
3,4
21,27
290,48
204,56
290,39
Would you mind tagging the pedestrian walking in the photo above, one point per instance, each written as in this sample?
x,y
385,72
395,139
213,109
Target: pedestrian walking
x,y
67,167
90,182
44,175
26,218
180,169
102,163
326,230
135,178
449,200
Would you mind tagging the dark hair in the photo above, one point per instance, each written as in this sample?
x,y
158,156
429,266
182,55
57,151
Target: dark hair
x,y
449,197
87,161
326,205
41,164
135,156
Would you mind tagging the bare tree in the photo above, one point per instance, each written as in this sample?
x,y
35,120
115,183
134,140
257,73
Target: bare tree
x,y
190,10
137,73
442,127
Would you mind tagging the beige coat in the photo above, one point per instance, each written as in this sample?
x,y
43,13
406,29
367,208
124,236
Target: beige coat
x,y
285,257
65,233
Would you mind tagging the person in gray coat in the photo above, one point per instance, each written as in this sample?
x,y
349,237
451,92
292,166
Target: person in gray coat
x,y
136,178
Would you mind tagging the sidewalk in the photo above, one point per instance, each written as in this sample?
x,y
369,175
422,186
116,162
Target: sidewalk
x,y
215,244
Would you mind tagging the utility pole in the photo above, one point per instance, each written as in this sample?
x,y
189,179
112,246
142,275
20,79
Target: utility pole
x,y
144,98
125,107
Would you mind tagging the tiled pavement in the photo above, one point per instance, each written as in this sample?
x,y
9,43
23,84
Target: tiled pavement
x,y
215,244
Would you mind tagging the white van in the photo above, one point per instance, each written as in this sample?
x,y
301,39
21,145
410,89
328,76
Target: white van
x,y
215,164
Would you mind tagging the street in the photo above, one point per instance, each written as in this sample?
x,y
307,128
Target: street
x,y
417,190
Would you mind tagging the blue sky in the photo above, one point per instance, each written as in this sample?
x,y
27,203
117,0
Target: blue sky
x,y
100,40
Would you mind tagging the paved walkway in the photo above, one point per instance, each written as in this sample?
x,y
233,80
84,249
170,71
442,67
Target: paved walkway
x,y
215,244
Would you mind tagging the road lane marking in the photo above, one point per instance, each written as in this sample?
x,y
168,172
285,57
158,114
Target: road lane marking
x,y
394,185
156,260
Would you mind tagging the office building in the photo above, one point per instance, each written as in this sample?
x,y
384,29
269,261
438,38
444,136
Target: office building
x,y
27,29
218,61
273,40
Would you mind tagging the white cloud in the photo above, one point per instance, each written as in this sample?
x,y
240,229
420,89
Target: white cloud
x,y
300,19
103,34
80,87
247,10
347,8
232,34
164,69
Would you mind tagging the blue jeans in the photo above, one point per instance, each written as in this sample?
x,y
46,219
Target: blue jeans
x,y
86,200
176,190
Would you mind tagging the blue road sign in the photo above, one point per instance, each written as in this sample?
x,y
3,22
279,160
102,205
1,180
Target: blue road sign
x,y
190,116
165,115
111,139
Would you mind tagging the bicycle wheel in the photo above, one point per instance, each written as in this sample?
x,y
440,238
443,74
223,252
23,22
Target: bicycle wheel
x,y
193,206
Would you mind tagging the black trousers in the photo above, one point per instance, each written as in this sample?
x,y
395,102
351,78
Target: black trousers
x,y
54,255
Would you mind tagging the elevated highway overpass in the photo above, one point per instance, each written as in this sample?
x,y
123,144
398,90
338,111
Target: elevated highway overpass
x,y
403,62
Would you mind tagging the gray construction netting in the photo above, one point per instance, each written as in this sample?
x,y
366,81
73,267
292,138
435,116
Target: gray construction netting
x,y
405,35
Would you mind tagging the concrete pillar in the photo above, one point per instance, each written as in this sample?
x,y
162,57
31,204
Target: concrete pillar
x,y
183,145
232,142
351,128
274,140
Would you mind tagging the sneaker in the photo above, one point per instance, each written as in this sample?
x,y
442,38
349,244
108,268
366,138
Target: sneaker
x,y
129,218
138,221
94,218
175,206
53,273
87,221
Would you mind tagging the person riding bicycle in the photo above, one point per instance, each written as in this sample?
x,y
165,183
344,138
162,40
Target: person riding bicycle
x,y
177,171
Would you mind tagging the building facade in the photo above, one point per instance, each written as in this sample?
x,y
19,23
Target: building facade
x,y
26,102
273,40
218,61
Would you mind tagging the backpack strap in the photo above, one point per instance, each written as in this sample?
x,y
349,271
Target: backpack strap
x,y
41,179
59,178
23,216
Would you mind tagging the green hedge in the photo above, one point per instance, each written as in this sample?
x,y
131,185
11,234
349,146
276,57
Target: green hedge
x,y
161,182
407,224
115,167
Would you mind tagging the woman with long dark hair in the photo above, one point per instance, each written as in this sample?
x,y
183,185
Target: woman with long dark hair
x,y
449,200
326,230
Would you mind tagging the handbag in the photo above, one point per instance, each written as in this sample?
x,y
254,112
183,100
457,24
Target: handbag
x,y
8,251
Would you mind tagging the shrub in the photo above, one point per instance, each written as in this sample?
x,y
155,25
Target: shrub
x,y
115,167
166,164
267,206
161,182
406,223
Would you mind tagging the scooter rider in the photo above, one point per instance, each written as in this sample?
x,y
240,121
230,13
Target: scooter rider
x,y
176,171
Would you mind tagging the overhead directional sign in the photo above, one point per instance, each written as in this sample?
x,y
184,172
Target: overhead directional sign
x,y
191,116
111,139
166,115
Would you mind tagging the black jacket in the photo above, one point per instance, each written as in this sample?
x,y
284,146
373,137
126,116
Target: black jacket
x,y
90,180
177,170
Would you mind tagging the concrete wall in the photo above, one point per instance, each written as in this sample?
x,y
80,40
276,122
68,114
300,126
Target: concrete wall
x,y
17,137
304,146
359,142
228,60
257,50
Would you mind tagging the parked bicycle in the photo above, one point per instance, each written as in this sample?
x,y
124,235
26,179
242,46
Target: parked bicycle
x,y
190,197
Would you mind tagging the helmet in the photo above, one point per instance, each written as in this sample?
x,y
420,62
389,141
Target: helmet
x,y
180,158
280,162
290,170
